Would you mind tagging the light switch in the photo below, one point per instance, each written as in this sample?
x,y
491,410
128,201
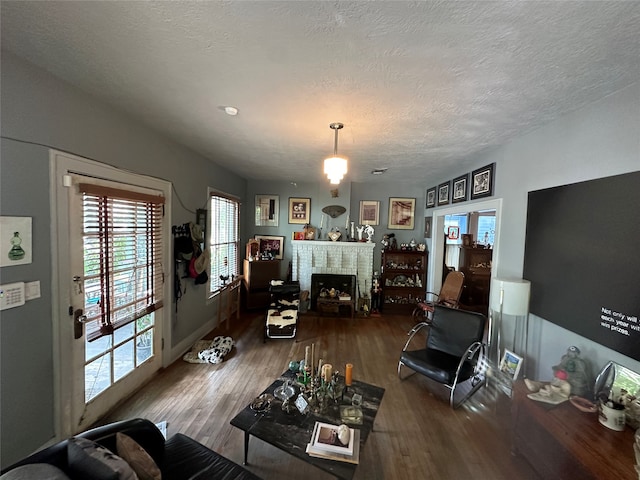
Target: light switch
x,y
32,290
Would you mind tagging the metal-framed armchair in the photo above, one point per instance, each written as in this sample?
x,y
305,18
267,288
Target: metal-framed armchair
x,y
449,296
454,353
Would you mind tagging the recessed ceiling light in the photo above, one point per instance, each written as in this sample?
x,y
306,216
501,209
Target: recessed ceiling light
x,y
231,111
378,171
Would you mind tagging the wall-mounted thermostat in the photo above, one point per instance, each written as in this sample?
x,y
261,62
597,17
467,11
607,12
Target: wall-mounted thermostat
x,y
11,295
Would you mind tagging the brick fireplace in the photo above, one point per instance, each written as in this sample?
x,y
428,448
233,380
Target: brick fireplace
x,y
337,258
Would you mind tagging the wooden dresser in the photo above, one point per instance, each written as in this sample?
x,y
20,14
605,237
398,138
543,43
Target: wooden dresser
x,y
256,278
562,442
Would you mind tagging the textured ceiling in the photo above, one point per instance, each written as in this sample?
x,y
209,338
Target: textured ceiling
x,y
420,86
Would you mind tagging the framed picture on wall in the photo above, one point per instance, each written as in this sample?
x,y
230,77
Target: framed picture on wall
x,y
443,193
482,182
16,241
299,210
267,208
431,197
369,212
460,189
401,213
427,227
271,244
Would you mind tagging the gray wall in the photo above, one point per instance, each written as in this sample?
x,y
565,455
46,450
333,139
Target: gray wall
x,y
37,107
597,141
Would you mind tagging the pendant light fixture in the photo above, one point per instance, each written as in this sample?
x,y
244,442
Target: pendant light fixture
x,y
335,167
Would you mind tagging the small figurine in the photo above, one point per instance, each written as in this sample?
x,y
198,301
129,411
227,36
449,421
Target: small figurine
x,y
571,377
376,293
577,370
369,232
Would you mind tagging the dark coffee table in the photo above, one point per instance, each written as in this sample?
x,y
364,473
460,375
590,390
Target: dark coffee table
x,y
291,432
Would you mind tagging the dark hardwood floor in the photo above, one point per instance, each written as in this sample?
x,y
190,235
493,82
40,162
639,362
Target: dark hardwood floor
x,y
417,435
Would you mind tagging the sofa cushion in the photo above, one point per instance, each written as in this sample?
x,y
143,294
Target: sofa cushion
x,y
88,459
184,458
41,471
137,458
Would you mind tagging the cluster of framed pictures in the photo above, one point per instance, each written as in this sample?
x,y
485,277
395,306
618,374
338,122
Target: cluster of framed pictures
x,y
401,212
472,186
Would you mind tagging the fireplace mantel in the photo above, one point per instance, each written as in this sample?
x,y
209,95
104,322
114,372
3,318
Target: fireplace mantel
x,y
337,258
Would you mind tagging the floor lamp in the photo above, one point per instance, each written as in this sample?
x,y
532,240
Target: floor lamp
x,y
509,296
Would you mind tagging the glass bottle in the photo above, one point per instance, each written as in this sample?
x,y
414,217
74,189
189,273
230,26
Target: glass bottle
x,y
16,252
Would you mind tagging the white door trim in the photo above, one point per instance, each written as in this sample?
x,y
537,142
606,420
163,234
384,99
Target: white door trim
x,y
60,164
437,237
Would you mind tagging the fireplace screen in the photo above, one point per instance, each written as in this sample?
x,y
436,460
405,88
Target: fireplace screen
x,y
321,282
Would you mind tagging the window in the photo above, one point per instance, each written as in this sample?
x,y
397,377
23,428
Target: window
x,y
224,240
459,220
123,274
486,228
123,280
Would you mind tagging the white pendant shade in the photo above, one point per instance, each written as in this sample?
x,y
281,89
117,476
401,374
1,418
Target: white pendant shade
x,y
335,168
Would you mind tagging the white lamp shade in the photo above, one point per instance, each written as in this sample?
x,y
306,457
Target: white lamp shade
x,y
335,168
510,296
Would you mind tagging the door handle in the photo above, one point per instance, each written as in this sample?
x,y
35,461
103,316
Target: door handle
x,y
79,320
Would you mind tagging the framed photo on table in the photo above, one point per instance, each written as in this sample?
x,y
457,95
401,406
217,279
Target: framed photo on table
x,y
369,212
510,364
299,210
402,213
482,182
271,244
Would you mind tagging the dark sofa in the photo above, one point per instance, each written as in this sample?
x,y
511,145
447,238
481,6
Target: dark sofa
x,y
179,457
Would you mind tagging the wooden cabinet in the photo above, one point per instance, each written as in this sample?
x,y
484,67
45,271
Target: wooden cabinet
x,y
403,280
257,276
561,442
475,263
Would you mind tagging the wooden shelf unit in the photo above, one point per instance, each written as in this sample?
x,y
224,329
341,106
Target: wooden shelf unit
x,y
403,280
257,275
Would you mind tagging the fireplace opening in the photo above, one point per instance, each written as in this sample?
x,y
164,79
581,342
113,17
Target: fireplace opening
x,y
325,282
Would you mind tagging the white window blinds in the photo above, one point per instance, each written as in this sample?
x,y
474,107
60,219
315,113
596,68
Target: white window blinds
x,y
123,274
224,239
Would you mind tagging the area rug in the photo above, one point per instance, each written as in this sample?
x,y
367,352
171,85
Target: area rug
x,y
209,351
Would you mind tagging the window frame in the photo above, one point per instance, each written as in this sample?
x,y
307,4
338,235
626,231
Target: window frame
x,y
215,285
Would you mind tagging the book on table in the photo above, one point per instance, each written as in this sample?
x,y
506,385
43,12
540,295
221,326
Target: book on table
x,y
325,444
